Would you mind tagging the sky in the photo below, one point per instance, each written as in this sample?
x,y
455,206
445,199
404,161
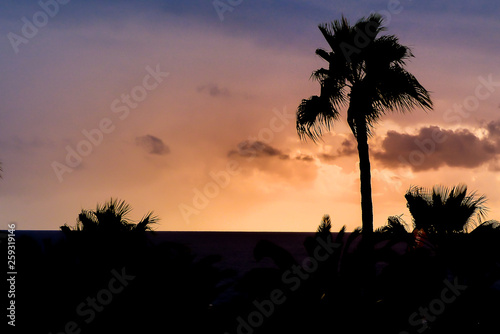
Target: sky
x,y
187,109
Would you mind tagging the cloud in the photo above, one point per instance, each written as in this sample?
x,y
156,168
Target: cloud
x,y
493,129
253,149
268,154
257,149
213,90
152,145
433,147
304,157
347,148
266,167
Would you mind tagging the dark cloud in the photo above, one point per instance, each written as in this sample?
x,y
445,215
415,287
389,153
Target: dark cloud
x,y
304,157
257,149
433,147
152,144
213,90
493,128
253,149
328,158
347,148
270,162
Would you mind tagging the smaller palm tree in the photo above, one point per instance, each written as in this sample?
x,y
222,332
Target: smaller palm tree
x,y
396,226
106,237
445,210
110,218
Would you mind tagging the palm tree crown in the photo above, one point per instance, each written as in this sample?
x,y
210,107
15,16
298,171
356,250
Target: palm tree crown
x,y
444,210
366,74
110,218
371,79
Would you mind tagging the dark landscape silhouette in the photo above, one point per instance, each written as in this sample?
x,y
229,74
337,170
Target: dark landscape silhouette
x,y
163,286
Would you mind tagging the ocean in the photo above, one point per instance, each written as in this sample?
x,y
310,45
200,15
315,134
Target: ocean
x,y
235,248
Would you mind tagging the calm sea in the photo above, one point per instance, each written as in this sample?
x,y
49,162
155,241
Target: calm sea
x,y
236,248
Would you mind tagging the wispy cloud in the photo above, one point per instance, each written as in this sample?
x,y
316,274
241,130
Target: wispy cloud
x,y
347,148
213,90
256,149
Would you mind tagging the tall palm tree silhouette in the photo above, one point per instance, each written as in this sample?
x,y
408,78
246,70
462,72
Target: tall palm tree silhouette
x,y
366,72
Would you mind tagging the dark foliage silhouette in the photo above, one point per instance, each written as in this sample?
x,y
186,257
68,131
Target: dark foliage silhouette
x,y
446,252
444,210
168,285
334,296
172,290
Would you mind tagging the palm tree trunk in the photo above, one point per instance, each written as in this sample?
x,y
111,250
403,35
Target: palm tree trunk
x,y
365,178
367,265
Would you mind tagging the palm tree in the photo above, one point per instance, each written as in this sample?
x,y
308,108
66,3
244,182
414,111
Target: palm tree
x,y
443,210
109,218
105,238
366,72
108,229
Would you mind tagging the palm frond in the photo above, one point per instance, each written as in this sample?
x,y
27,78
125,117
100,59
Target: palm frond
x,y
324,54
487,227
325,225
395,226
87,221
118,208
320,75
335,31
384,52
66,229
145,223
401,91
314,115
369,28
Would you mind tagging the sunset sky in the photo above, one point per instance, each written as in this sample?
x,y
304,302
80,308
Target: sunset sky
x,y
190,109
